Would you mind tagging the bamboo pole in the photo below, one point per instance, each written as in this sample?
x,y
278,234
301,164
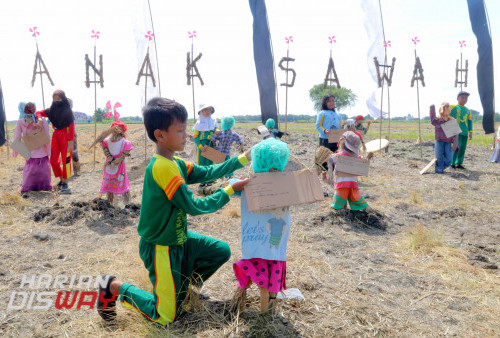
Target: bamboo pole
x,y
95,97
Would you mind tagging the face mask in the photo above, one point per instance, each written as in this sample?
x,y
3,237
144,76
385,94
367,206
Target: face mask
x,y
57,103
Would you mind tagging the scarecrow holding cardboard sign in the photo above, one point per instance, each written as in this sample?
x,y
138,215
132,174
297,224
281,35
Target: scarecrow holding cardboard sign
x,y
346,186
36,172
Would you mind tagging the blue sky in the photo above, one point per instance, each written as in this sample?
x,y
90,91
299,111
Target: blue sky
x,y
224,36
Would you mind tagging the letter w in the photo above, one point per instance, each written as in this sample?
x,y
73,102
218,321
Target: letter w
x,y
65,305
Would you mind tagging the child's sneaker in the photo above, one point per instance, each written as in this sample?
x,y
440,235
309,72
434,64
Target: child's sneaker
x,y
108,311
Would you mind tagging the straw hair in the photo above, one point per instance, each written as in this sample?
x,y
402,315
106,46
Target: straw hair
x,y
321,155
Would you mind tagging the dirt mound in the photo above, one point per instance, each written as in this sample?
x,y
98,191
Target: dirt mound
x,y
360,220
97,213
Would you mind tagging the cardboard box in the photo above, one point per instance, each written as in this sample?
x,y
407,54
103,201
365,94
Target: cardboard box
x,y
213,155
274,190
352,165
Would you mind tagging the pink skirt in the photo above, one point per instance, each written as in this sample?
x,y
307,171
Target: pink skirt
x,y
36,175
264,273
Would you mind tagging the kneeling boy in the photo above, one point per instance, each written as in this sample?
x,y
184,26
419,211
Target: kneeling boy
x,y
173,255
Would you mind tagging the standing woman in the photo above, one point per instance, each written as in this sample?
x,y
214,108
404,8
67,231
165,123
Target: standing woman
x,y
61,117
328,119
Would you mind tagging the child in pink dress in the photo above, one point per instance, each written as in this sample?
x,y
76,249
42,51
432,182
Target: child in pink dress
x,y
36,172
116,147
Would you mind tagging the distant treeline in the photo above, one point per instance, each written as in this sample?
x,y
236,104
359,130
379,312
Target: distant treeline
x,y
476,116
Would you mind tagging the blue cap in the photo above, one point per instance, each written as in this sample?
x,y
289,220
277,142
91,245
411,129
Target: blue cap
x,y
462,93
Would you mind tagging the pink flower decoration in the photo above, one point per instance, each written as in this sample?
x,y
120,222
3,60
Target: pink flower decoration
x,y
95,35
289,39
35,33
415,40
387,43
192,35
149,35
462,43
332,39
112,111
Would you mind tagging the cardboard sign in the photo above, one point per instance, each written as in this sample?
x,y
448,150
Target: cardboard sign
x,y
213,155
35,139
451,128
263,131
274,190
352,165
335,135
19,147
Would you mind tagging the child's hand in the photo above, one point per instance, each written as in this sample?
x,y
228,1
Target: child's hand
x,y
327,131
248,154
203,148
239,185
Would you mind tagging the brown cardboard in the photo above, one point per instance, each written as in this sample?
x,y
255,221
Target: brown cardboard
x,y
213,155
35,139
335,134
352,165
274,190
263,131
451,128
428,166
19,147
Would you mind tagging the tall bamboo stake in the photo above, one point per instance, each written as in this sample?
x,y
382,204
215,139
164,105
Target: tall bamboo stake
x,y
145,102
95,97
418,109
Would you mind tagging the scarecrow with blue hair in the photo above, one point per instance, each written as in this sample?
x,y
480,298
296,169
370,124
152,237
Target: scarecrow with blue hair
x,y
226,138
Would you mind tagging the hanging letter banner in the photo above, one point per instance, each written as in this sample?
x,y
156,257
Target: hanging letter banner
x,y
485,82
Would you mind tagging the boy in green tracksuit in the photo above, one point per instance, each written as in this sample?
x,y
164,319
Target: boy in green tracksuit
x,y
173,255
464,118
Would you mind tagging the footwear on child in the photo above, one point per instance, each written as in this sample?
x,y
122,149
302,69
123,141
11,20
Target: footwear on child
x,y
65,188
106,302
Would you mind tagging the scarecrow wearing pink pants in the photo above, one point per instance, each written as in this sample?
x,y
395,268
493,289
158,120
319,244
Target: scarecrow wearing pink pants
x,y
264,235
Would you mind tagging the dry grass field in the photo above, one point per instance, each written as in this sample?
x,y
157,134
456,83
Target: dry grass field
x,y
423,262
